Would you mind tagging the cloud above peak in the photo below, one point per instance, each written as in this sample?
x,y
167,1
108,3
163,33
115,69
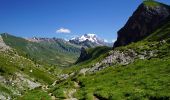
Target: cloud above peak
x,y
63,30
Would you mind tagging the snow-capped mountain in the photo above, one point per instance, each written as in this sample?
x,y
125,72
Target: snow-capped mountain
x,y
89,40
89,37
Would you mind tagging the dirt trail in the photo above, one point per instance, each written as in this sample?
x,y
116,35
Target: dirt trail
x,y
95,98
71,95
45,89
72,92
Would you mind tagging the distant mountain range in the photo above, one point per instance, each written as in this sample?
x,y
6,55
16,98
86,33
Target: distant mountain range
x,y
89,40
53,51
44,50
86,40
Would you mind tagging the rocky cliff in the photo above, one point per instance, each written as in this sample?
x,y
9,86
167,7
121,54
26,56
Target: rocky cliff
x,y
83,56
148,17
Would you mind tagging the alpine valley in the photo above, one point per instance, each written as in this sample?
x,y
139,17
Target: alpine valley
x,y
135,67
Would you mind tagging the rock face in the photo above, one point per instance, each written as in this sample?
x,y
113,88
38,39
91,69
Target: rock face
x,y
3,46
146,19
122,58
83,56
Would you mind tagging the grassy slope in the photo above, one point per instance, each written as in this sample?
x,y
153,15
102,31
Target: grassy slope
x,y
54,53
143,79
11,63
151,3
35,95
96,54
147,79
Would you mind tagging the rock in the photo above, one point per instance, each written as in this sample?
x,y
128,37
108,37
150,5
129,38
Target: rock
x,y
83,56
83,71
22,81
144,21
72,74
31,71
141,56
3,46
2,97
63,76
2,79
53,98
122,58
54,83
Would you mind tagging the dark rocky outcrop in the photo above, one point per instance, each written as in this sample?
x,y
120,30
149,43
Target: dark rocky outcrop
x,y
146,19
83,56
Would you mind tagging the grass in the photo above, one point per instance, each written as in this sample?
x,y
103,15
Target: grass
x,y
151,3
56,53
35,95
59,90
147,79
5,89
96,54
140,80
12,63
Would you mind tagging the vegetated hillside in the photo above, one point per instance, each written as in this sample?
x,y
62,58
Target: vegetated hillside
x,y
19,74
89,57
92,53
163,32
138,71
143,75
56,52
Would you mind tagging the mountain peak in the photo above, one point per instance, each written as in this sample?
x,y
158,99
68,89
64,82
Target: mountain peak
x,y
89,40
148,17
151,3
88,37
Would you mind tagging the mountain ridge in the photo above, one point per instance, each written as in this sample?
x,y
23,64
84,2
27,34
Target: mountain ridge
x,y
43,52
89,41
142,22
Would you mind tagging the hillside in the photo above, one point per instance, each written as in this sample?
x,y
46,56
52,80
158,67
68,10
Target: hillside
x,y
137,71
55,52
148,17
19,74
137,67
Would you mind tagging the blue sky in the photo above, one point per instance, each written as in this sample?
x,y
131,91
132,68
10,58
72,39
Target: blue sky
x,y
42,18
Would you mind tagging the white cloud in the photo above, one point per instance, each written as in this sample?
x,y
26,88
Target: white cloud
x,y
63,30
